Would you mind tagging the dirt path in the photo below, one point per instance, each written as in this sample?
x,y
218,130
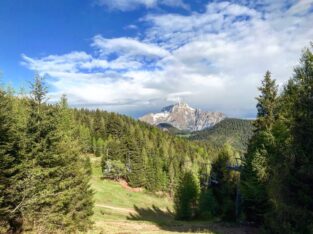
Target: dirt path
x,y
124,210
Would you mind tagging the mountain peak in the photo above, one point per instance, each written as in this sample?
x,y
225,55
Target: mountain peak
x,y
180,115
178,105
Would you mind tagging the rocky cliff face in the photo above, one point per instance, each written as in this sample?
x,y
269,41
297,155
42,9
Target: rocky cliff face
x,y
184,117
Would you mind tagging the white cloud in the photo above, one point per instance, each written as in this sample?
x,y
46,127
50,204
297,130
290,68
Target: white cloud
x,y
127,47
214,60
128,5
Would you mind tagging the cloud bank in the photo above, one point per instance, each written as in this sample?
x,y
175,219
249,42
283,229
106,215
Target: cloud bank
x,y
213,59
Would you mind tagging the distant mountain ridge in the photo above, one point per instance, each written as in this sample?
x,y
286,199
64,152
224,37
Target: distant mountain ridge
x,y
184,117
236,132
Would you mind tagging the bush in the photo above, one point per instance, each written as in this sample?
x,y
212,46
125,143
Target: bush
x,y
113,169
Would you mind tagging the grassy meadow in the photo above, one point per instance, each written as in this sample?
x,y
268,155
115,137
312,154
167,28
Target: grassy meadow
x,y
119,209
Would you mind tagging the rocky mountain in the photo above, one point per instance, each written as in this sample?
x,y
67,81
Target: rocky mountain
x,y
184,117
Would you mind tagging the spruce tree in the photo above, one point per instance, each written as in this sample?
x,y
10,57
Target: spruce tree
x,y
255,173
10,163
224,185
291,185
56,189
134,162
187,196
267,104
77,200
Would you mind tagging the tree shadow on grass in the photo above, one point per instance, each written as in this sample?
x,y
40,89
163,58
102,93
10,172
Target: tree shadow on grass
x,y
165,219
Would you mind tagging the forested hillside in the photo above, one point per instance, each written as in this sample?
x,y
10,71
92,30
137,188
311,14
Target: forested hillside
x,y
143,155
45,167
171,129
235,132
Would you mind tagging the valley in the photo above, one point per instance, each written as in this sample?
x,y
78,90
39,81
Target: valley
x,y
156,117
121,210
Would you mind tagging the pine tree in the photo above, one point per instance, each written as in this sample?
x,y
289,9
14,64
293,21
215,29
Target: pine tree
x,y
114,126
85,139
256,172
187,196
224,186
134,162
99,147
291,184
266,106
99,129
10,160
55,188
77,200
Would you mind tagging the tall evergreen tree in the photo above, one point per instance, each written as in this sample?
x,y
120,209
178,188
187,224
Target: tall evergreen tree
x,y
224,185
267,104
10,161
55,188
134,162
255,173
291,184
187,196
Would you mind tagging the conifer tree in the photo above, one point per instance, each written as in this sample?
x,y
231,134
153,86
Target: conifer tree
x,y
98,125
55,188
256,170
77,200
267,104
224,185
186,197
134,162
291,184
10,161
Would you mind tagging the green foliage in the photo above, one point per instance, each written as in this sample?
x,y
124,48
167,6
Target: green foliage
x,y
45,179
290,188
267,102
235,132
208,207
113,169
84,137
10,216
256,172
171,129
153,158
224,188
277,174
186,197
99,147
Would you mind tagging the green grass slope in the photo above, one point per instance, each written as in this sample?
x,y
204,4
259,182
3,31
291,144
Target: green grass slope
x,y
119,209
111,193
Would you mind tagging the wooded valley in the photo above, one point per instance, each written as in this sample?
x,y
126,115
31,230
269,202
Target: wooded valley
x,y
253,173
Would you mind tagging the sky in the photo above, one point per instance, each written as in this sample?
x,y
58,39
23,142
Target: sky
x,y
136,56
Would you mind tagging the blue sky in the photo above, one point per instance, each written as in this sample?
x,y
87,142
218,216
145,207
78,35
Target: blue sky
x,y
135,56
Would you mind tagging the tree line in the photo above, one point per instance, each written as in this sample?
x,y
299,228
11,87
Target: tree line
x,y
274,177
45,168
277,179
141,154
236,132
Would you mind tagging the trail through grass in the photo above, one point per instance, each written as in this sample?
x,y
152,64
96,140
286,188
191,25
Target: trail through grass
x,y
120,210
